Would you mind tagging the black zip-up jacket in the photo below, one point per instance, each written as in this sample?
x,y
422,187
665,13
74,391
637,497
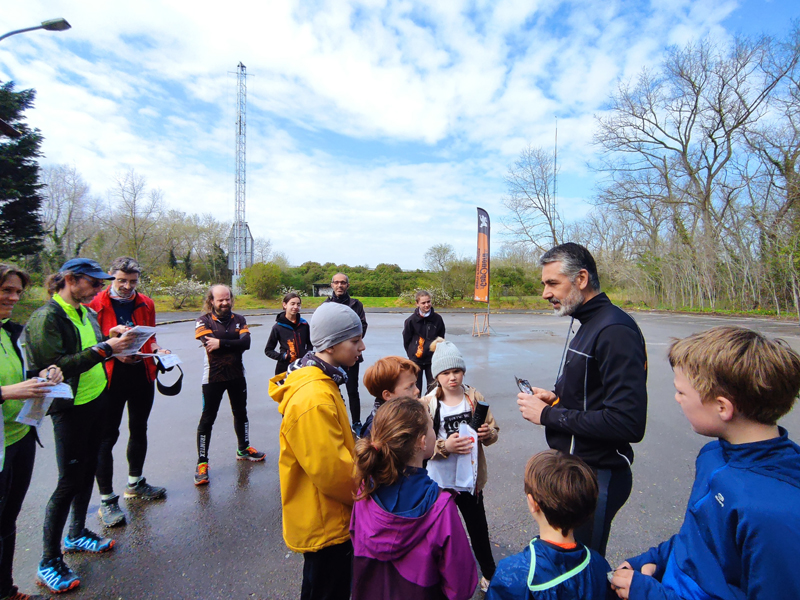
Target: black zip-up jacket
x,y
419,332
602,389
294,341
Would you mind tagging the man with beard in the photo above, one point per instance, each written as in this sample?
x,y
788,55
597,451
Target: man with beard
x,y
340,284
130,381
225,337
599,405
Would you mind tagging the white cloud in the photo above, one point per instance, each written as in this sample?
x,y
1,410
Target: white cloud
x,y
446,94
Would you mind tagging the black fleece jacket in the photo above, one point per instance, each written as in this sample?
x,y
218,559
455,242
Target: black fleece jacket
x,y
294,340
602,389
419,332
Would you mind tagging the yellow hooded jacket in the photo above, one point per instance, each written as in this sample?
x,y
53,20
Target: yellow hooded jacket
x,y
316,460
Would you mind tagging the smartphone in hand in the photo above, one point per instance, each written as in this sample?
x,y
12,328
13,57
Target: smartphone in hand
x,y
524,386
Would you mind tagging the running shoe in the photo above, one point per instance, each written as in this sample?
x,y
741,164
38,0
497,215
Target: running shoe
x,y
144,491
56,576
201,474
15,594
110,513
250,453
89,542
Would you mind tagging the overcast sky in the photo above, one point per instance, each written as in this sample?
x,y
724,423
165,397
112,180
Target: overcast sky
x,y
374,128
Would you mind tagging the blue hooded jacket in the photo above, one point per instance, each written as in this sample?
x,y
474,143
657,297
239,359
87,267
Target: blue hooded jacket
x,y
739,538
544,571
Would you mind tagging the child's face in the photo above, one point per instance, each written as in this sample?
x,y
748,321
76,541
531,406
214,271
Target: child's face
x,y
346,353
292,307
703,416
451,379
406,385
424,304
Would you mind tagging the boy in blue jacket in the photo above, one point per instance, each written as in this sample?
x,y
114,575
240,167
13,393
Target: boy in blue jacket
x,y
739,536
562,494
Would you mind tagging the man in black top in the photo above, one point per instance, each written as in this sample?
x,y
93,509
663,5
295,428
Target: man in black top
x,y
225,337
340,284
599,405
419,330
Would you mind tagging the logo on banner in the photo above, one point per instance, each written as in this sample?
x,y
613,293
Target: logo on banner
x,y
484,222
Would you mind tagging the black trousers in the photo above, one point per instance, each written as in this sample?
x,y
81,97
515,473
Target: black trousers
x,y
352,393
129,386
212,398
77,445
614,489
426,370
14,481
328,573
471,507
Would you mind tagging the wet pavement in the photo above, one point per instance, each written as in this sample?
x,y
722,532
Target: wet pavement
x,y
224,540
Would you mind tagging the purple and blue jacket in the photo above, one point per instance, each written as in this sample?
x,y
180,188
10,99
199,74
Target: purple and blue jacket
x,y
409,553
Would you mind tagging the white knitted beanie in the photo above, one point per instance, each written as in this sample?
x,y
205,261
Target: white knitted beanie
x,y
445,357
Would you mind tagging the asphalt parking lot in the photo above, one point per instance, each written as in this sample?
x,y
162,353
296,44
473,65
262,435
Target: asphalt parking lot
x,y
224,540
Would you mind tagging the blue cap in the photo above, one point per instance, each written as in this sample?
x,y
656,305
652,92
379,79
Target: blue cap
x,y
85,266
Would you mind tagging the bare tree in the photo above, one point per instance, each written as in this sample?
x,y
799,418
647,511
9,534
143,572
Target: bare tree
x,y
67,209
438,259
262,250
136,217
534,214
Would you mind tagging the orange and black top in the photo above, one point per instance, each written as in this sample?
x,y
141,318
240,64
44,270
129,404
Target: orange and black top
x,y
224,364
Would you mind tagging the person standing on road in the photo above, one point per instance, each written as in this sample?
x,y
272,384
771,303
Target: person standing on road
x,y
290,333
225,337
66,334
130,381
316,454
419,330
340,284
19,440
599,405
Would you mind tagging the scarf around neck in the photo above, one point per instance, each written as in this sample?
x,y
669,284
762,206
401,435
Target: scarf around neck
x,y
311,360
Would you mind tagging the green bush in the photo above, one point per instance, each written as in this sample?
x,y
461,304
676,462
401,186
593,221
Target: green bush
x,y
261,280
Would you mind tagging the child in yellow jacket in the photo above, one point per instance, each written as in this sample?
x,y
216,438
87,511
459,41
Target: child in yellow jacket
x,y
316,453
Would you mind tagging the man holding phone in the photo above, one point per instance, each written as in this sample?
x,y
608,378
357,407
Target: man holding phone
x,y
599,405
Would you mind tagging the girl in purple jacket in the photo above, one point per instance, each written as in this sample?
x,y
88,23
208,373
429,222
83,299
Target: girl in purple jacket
x,y
408,541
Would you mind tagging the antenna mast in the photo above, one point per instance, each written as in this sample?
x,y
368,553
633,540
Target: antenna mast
x,y
555,167
240,242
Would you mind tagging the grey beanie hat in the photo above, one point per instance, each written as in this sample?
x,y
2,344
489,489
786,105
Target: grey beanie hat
x,y
333,323
445,357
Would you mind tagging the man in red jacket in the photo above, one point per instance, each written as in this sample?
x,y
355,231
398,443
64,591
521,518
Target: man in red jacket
x,y
131,380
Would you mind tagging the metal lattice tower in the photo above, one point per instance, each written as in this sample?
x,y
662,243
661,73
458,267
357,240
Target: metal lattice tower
x,y
240,247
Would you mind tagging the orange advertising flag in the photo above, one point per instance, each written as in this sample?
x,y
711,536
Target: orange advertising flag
x,y
482,263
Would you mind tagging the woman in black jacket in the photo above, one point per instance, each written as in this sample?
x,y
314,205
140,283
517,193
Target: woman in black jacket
x,y
291,332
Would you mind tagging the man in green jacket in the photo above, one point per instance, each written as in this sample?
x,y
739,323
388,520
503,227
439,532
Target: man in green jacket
x,y
66,334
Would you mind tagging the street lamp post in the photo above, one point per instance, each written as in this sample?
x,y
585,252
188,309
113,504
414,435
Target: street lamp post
x,y
49,25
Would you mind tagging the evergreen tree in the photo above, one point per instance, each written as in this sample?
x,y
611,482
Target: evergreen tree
x,y
20,199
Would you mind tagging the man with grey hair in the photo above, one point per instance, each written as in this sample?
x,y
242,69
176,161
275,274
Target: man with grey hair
x,y
341,284
598,407
130,382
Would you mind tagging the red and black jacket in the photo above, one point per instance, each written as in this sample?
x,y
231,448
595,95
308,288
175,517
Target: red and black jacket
x,y
144,313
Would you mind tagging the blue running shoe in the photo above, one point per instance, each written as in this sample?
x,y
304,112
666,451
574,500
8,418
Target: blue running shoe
x,y
88,541
56,576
